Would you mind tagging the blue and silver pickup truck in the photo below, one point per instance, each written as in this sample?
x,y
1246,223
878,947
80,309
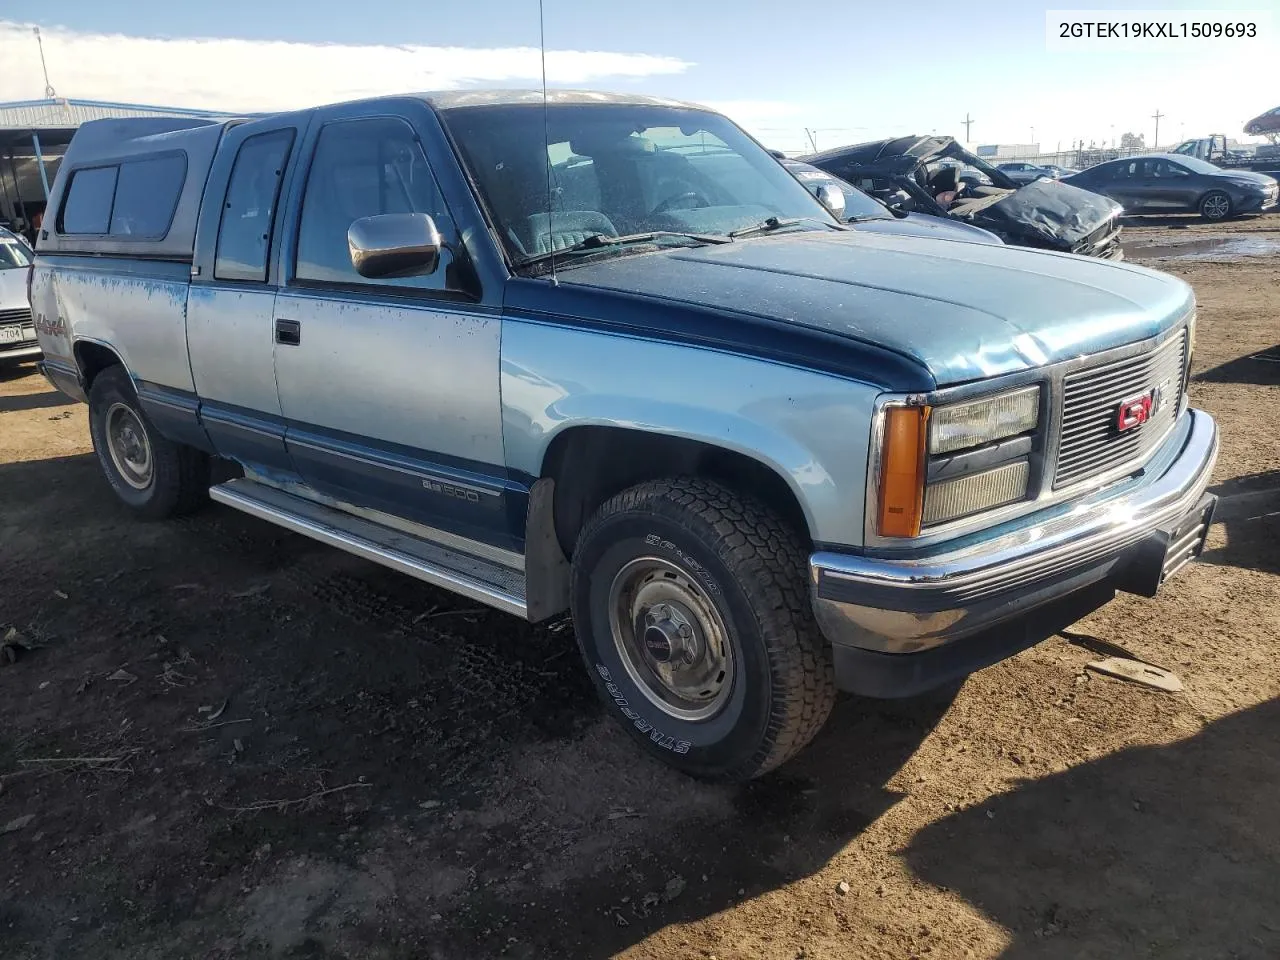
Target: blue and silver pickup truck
x,y
607,355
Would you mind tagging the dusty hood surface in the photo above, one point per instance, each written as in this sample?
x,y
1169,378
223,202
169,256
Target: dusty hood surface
x,y
963,310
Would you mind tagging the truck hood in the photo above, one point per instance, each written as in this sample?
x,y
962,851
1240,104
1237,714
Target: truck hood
x,y
964,311
925,225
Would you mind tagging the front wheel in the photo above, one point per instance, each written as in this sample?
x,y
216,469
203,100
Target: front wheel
x,y
150,473
1215,205
691,608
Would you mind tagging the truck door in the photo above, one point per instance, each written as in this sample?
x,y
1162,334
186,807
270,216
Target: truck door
x,y
390,387
233,290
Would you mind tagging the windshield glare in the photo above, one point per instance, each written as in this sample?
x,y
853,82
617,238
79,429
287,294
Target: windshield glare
x,y
617,170
13,254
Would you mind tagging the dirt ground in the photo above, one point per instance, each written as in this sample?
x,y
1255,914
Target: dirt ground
x,y
233,742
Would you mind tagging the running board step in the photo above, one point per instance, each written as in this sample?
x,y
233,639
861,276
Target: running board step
x,y
472,577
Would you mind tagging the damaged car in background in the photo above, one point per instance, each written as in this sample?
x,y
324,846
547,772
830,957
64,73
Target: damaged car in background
x,y
850,205
919,174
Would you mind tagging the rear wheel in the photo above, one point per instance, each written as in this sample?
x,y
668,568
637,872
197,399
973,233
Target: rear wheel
x,y
1215,205
150,473
691,608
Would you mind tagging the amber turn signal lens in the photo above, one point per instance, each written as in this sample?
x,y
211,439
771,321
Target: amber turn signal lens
x,y
902,471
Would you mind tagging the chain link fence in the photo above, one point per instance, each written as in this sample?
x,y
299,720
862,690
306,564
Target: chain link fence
x,y
1076,159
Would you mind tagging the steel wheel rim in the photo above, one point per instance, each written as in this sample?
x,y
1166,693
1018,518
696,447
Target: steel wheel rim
x,y
671,639
1216,207
129,446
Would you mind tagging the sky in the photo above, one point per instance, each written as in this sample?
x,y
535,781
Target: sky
x,y
792,75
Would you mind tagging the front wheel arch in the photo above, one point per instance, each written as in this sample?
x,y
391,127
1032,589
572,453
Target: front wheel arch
x,y
590,464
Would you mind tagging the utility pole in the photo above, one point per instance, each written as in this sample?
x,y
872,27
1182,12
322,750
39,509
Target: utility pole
x,y
1156,117
49,92
968,122
813,138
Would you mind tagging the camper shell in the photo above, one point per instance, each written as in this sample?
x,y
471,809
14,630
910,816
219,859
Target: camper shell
x,y
93,199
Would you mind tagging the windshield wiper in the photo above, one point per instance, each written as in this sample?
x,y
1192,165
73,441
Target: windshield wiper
x,y
602,241
773,223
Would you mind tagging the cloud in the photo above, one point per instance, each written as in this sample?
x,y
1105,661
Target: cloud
x,y
252,75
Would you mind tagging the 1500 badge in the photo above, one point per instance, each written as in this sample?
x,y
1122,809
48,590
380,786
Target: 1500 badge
x,y
449,490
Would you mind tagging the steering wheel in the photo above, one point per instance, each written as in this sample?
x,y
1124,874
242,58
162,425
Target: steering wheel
x,y
676,198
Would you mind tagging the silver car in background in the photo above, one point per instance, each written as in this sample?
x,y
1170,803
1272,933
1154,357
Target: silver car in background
x,y
17,335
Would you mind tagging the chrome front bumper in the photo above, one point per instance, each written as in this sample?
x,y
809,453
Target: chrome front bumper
x,y
1124,537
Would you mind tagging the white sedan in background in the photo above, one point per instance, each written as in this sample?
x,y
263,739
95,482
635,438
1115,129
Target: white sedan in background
x,y
17,335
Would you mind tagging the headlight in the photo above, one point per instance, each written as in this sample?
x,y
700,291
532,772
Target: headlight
x,y
963,425
953,445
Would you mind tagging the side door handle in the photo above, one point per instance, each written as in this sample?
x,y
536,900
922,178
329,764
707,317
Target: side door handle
x,y
288,332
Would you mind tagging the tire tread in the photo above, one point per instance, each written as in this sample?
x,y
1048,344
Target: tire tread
x,y
181,479
769,562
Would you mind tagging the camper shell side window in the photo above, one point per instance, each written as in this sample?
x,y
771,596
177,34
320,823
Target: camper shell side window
x,y
134,199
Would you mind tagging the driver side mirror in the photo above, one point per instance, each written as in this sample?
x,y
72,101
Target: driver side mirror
x,y
394,245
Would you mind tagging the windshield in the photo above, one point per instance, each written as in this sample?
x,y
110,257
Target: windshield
x,y
13,253
620,170
1196,165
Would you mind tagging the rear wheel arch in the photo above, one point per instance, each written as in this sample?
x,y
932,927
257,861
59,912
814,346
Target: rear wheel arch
x,y
92,358
591,464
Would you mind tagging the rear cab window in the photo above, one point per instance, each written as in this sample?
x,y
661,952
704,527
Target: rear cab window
x,y
248,212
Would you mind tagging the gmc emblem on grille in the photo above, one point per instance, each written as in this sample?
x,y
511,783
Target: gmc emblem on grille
x,y
1136,411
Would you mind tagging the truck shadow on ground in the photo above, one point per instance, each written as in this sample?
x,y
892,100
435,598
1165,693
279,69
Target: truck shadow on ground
x,y
11,370
34,401
390,764
1249,508
1261,368
1107,859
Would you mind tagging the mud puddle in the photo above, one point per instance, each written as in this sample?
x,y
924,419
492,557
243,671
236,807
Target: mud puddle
x,y
1206,248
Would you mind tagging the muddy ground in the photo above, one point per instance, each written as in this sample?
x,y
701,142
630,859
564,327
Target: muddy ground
x,y
232,742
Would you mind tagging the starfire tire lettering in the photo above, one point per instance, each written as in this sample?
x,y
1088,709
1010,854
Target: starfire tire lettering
x,y
641,724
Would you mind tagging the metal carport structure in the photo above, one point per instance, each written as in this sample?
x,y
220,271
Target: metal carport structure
x,y
34,135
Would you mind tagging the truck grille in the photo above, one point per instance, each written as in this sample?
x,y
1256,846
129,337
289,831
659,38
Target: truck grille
x,y
16,315
1092,442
